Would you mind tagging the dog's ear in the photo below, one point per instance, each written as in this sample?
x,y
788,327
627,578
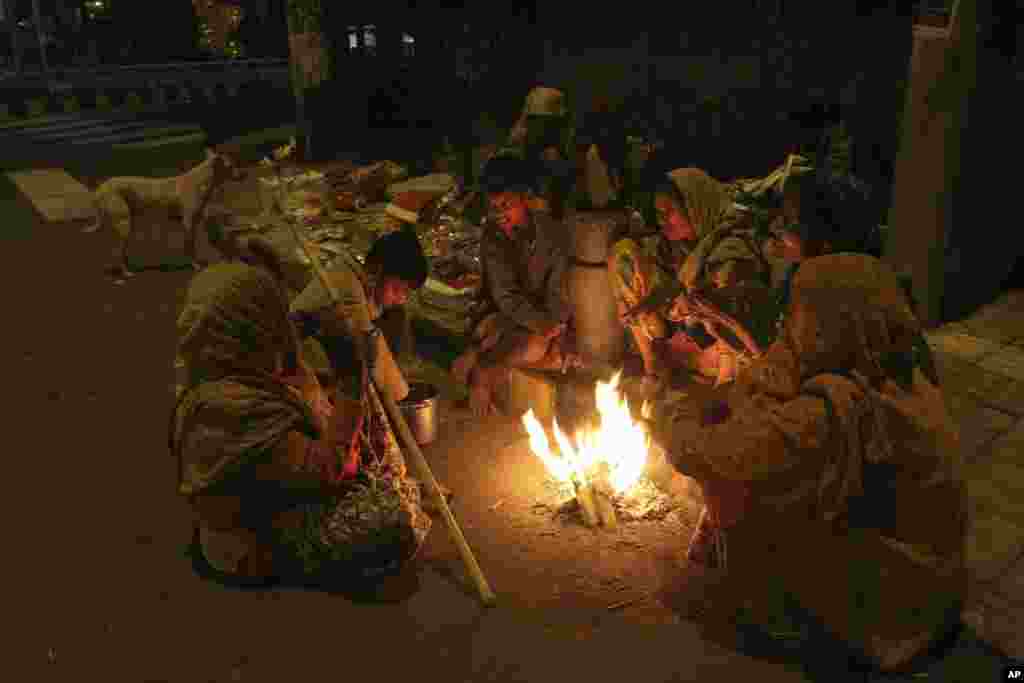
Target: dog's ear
x,y
210,153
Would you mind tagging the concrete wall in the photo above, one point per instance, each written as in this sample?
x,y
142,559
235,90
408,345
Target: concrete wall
x,y
949,224
918,219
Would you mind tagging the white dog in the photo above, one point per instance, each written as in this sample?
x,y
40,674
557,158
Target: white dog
x,y
120,201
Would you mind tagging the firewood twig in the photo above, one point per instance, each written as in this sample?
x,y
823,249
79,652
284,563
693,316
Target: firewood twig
x,y
626,603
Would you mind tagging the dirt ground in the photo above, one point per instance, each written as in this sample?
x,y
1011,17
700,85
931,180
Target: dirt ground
x,y
100,583
540,556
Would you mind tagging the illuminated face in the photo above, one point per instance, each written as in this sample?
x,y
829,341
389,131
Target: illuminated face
x,y
508,209
675,226
393,292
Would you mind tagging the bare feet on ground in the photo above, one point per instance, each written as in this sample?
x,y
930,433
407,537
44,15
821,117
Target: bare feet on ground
x,y
463,366
480,399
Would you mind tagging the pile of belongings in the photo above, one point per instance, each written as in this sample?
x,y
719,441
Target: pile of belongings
x,y
420,199
450,293
273,188
306,206
296,180
355,189
456,276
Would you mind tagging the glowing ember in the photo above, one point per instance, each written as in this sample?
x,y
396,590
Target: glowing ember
x,y
614,452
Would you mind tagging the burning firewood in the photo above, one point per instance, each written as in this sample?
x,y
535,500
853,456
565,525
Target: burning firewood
x,y
603,463
588,507
605,509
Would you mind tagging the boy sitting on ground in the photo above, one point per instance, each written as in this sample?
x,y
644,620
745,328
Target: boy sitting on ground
x,y
522,317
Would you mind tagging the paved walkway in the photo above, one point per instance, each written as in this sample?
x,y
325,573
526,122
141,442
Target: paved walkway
x,y
90,129
54,194
981,361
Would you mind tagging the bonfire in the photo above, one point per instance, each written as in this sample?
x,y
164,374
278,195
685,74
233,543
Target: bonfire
x,y
599,463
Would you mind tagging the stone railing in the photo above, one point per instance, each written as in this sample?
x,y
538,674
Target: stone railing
x,y
151,87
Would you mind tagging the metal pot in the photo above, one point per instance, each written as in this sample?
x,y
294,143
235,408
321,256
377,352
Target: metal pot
x,y
419,409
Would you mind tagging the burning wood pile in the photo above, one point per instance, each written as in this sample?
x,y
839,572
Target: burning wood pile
x,y
601,469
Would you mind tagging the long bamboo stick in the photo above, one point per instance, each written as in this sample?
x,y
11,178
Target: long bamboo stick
x,y
423,471
786,172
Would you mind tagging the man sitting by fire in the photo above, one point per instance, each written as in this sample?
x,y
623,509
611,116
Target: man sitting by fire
x,y
522,319
701,247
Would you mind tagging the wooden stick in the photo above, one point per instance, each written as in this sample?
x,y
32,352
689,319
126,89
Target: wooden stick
x,y
625,603
585,497
423,472
605,509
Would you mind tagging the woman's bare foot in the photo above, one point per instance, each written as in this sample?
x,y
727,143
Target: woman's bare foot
x,y
480,398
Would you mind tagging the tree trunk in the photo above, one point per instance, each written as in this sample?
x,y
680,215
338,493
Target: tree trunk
x,y
935,215
873,120
303,130
12,28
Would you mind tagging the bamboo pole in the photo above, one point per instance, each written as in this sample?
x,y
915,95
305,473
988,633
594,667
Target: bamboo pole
x,y
423,471
786,172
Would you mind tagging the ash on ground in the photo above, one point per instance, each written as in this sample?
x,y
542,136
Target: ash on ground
x,y
645,503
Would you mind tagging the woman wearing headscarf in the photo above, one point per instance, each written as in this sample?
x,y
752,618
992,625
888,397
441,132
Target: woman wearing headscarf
x,y
827,214
832,477
282,484
700,246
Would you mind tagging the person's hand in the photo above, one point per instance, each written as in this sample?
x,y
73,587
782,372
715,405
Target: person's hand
x,y
320,403
572,360
776,374
680,309
629,318
652,385
305,383
556,330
